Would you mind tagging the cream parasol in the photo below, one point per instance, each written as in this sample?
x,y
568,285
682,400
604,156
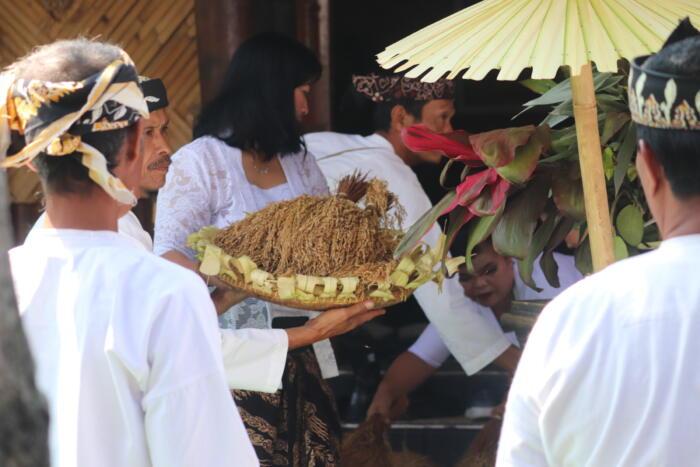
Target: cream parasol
x,y
512,35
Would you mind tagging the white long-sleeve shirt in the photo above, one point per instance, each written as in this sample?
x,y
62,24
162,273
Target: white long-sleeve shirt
x,y
127,353
609,375
469,330
429,346
254,359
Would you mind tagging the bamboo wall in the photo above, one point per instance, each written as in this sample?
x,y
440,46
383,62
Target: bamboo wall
x,y
159,35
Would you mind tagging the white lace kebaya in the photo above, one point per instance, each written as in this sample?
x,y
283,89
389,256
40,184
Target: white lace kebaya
x,y
206,185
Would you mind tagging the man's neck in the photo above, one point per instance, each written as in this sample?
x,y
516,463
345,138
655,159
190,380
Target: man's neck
x,y
400,149
683,220
93,211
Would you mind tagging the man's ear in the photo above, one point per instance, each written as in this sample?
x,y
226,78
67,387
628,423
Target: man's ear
x,y
650,172
32,167
399,118
134,141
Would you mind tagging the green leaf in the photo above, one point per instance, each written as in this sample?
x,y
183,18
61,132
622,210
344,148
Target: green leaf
x,y
539,240
558,94
630,224
458,217
624,156
620,248
608,103
418,230
540,86
526,157
513,234
563,139
608,163
550,268
614,121
498,147
567,192
583,258
479,230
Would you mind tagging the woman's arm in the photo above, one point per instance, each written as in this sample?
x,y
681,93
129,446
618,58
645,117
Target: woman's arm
x,y
224,296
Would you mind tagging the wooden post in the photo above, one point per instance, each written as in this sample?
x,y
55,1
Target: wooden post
x,y
221,27
592,173
313,30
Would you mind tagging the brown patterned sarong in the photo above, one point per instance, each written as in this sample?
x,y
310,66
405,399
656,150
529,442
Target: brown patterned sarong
x,y
297,426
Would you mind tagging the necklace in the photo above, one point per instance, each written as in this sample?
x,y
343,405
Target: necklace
x,y
264,170
261,170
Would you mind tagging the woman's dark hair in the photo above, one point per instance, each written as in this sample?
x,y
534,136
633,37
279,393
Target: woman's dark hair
x,y
255,107
678,151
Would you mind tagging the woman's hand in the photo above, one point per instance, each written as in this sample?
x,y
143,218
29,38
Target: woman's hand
x,y
332,323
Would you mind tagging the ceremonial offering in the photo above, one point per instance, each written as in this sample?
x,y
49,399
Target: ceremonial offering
x,y
321,252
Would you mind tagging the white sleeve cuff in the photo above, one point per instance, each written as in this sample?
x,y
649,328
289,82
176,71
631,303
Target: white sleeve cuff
x,y
254,359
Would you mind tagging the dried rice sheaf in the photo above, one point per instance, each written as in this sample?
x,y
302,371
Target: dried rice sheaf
x,y
320,252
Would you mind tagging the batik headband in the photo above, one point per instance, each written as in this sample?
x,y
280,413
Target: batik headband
x,y
391,88
51,117
663,100
154,93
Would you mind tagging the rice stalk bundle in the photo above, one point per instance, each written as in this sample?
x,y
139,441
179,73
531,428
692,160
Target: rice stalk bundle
x,y
320,252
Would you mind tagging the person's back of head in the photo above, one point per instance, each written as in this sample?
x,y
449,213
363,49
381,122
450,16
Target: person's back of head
x,y
677,150
61,62
255,108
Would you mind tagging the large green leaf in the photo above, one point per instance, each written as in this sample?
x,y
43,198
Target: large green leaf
x,y
497,148
630,224
567,191
540,86
513,234
556,95
563,139
614,121
539,241
418,230
479,230
547,262
608,103
583,258
520,170
620,246
625,155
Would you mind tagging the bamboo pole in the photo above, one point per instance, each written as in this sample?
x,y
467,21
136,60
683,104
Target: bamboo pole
x,y
592,173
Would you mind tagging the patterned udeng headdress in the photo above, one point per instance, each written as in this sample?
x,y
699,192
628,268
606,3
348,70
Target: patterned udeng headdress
x,y
663,100
390,88
51,117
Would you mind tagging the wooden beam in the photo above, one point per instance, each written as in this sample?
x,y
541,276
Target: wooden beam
x,y
313,30
221,27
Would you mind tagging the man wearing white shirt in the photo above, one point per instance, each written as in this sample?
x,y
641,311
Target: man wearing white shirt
x,y
609,375
126,345
469,330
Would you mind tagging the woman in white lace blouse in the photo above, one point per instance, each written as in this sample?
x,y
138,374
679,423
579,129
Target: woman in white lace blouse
x,y
248,152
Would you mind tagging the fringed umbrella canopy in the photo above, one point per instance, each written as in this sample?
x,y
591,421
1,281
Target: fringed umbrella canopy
x,y
511,35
